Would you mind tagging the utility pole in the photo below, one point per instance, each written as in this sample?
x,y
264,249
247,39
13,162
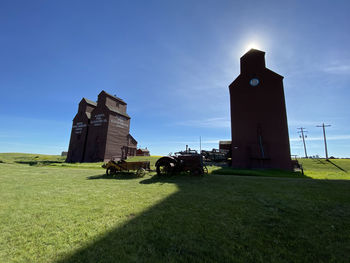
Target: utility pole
x,y
324,136
200,144
302,131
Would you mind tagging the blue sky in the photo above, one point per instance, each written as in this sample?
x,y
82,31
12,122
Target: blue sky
x,y
172,62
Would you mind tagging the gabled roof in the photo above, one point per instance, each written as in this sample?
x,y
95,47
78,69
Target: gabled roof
x,y
81,104
253,51
112,96
236,79
132,138
143,150
90,102
274,73
80,115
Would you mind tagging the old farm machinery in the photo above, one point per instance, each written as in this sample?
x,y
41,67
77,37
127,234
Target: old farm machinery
x,y
185,161
215,156
113,167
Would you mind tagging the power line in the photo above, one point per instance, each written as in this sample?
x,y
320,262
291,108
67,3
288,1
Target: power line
x,y
324,136
302,131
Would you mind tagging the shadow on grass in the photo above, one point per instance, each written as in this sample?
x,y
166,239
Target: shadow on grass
x,y
118,176
329,161
319,161
228,219
174,179
38,163
259,172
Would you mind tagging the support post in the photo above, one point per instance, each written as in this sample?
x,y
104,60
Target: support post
x,y
302,131
324,138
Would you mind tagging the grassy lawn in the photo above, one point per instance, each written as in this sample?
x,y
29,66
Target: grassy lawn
x,y
31,159
55,213
322,169
313,169
58,161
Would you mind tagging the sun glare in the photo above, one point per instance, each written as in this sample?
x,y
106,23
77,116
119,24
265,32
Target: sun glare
x,y
248,42
252,45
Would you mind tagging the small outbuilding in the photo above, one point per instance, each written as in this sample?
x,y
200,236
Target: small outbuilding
x,y
224,146
142,152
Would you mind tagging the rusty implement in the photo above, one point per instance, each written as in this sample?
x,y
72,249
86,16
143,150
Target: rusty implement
x,y
297,166
215,155
113,167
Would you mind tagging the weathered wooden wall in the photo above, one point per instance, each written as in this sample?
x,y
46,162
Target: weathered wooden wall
x,y
79,131
109,131
117,137
96,141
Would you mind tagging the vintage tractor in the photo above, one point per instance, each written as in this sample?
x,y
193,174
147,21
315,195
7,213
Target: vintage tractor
x,y
186,161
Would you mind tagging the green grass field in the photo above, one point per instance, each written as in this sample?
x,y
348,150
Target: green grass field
x,y
51,211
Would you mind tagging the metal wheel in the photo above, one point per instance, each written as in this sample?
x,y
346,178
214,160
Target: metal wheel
x,y
141,172
205,169
110,171
164,169
197,172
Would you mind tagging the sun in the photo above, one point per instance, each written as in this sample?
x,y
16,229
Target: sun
x,y
250,42
251,45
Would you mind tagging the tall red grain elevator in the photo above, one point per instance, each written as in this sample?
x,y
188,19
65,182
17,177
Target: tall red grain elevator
x,y
259,126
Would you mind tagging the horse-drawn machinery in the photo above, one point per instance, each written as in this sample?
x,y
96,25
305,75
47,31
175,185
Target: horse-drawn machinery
x,y
113,167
